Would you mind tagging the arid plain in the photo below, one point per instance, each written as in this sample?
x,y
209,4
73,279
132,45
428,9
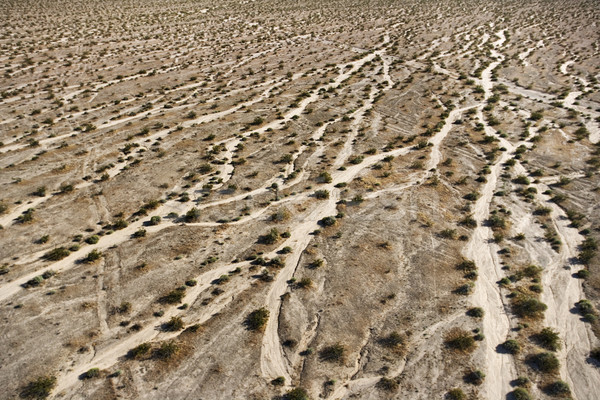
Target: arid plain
x,y
299,199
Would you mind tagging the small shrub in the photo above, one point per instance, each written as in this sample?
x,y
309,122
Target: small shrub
x,y
92,239
39,388
279,381
548,339
322,194
464,289
167,350
456,394
511,346
296,394
521,394
56,254
92,256
475,377
460,340
333,353
595,354
257,319
91,373
173,325
139,351
119,224
475,312
173,297
270,238
528,307
328,221
193,215
387,384
558,389
544,362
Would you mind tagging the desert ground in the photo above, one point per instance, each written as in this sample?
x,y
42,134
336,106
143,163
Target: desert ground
x,y
299,199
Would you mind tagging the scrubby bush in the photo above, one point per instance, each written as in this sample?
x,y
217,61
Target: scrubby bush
x,y
475,377
456,394
257,319
174,296
92,239
521,394
328,221
91,373
296,394
56,254
458,339
558,389
333,353
139,350
548,339
279,381
595,353
167,350
92,256
322,194
544,362
528,307
270,238
475,312
511,346
174,324
192,215
119,224
39,388
387,384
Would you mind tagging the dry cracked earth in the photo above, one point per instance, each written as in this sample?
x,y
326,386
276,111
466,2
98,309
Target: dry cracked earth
x,y
299,199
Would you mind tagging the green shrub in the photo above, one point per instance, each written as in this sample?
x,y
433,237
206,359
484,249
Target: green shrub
x,y
544,362
270,238
393,341
464,289
475,312
173,325
328,221
459,340
467,266
511,346
558,389
456,394
92,256
155,220
521,394
139,350
548,339
167,350
193,215
333,353
257,319
39,388
387,384
279,381
322,194
296,394
528,307
140,233
92,239
56,254
174,296
119,224
26,216
91,373
595,353
475,377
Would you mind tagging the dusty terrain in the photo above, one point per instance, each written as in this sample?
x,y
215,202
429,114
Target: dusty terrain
x,y
292,200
